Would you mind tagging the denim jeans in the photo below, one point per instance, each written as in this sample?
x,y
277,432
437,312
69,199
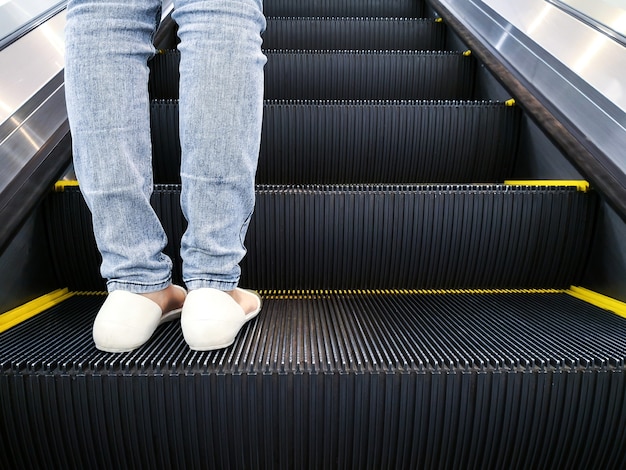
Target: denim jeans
x,y
108,45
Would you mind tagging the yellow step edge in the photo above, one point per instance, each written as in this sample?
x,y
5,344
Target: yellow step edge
x,y
62,184
34,307
581,185
599,300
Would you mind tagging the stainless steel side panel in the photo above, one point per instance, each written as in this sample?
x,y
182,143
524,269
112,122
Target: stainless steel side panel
x,y
574,69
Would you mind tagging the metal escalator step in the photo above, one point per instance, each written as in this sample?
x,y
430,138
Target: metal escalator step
x,y
354,34
327,380
374,237
336,142
345,8
368,75
350,75
164,76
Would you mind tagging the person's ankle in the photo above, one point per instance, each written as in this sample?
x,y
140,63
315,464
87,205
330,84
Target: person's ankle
x,y
167,299
247,302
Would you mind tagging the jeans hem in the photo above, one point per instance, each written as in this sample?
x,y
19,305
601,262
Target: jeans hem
x,y
194,284
137,287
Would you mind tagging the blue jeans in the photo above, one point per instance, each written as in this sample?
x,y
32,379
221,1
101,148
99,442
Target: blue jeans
x,y
108,45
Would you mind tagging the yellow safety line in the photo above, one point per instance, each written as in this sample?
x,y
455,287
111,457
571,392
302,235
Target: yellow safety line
x,y
581,185
32,308
599,300
62,184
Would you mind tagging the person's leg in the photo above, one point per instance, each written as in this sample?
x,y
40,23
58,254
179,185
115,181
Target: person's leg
x,y
108,45
221,105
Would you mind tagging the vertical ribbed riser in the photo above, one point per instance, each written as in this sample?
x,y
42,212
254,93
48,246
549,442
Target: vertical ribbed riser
x,y
379,237
347,75
347,8
353,34
487,420
403,142
165,142
430,239
368,75
164,75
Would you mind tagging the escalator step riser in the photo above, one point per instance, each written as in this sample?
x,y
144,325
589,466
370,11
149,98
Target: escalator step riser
x,y
353,75
349,75
366,142
298,392
345,8
374,237
354,34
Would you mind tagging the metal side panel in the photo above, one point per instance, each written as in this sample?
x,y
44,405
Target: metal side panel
x,y
352,380
567,74
342,237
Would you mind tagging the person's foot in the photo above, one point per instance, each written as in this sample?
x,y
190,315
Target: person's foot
x,y
127,320
211,318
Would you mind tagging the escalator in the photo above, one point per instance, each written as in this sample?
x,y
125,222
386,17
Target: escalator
x,y
421,307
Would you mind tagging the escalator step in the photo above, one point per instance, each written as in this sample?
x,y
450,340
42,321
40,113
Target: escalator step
x,y
374,237
353,75
345,8
334,380
307,142
164,76
350,75
354,34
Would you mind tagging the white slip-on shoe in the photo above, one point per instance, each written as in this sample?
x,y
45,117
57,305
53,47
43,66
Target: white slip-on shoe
x,y
211,318
126,321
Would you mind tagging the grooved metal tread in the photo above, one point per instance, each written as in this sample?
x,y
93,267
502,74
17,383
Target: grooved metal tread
x,y
391,331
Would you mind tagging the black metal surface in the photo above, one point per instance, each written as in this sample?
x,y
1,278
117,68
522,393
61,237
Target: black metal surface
x,y
366,237
354,33
345,8
368,75
306,142
352,380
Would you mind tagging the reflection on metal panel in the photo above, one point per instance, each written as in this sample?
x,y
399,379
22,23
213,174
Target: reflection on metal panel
x,y
609,16
595,58
29,64
575,69
19,17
